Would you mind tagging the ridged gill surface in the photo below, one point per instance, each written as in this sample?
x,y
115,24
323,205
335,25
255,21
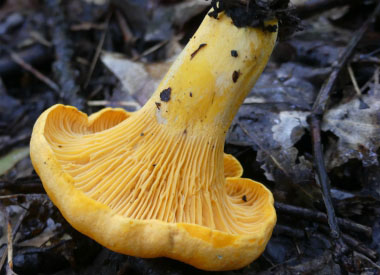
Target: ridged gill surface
x,y
143,170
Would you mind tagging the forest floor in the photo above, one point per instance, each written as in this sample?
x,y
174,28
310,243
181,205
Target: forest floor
x,y
309,130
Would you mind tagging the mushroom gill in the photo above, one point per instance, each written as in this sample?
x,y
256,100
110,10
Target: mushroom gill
x,y
143,171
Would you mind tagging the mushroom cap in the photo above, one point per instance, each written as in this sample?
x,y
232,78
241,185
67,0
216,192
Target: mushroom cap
x,y
196,244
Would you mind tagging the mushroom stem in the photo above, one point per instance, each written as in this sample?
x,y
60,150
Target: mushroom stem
x,y
205,86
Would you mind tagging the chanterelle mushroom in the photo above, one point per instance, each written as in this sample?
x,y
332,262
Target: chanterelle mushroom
x,y
152,183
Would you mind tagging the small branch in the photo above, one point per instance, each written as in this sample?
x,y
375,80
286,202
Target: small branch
x,y
125,30
34,55
253,137
3,257
314,121
151,50
368,59
353,80
355,244
21,187
117,103
322,177
288,231
320,102
321,217
359,247
98,51
63,71
313,266
10,244
17,59
8,252
365,258
6,144
313,7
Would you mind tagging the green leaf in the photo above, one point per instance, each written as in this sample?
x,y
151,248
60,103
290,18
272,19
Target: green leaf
x,y
9,160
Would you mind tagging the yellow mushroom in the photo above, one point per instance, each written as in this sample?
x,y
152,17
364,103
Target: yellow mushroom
x,y
156,182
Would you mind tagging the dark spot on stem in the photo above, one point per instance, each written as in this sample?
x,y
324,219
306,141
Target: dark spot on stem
x,y
271,28
197,50
185,132
234,53
165,94
154,165
235,76
191,94
142,134
60,146
158,105
244,198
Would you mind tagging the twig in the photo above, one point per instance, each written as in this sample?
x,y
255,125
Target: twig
x,y
272,269
373,80
21,187
359,246
321,217
355,244
313,7
98,51
376,77
8,252
86,26
33,55
367,59
315,126
288,231
64,73
151,50
17,59
40,39
312,266
126,31
371,59
320,102
11,142
27,196
3,257
322,177
353,80
363,257
315,120
287,172
10,271
107,103
255,140
9,244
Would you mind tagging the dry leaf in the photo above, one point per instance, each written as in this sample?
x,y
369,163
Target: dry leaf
x,y
138,79
357,125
